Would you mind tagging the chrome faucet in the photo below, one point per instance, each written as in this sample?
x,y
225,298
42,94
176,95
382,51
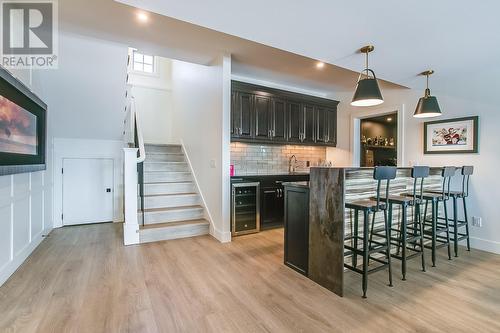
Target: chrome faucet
x,y
292,167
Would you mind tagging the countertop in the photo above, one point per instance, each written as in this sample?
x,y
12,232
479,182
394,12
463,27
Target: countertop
x,y
297,184
272,174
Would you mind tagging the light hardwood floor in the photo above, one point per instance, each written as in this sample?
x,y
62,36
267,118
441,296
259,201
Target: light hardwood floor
x,y
82,279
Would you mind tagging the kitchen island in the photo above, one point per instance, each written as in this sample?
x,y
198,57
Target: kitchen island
x,y
328,222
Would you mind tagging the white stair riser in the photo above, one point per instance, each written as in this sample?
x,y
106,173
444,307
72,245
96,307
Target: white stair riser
x,y
159,234
171,201
164,157
160,177
153,189
172,216
166,167
163,149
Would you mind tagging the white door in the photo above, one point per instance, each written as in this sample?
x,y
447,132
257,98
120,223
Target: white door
x,y
87,190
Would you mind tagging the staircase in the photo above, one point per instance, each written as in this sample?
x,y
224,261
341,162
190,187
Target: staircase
x,y
172,207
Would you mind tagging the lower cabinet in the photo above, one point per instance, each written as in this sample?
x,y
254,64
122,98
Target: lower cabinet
x,y
271,207
297,228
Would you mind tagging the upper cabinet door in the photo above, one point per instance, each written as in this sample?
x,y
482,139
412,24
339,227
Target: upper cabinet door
x,y
331,118
309,124
321,125
263,117
279,118
295,122
241,113
235,115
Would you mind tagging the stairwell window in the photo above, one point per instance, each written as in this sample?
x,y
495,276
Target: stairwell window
x,y
143,63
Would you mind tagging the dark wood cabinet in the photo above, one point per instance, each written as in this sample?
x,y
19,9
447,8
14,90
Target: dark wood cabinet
x,y
241,115
331,121
309,135
297,228
279,120
263,117
272,206
262,114
295,122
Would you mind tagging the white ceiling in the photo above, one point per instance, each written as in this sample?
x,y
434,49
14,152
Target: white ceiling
x,y
172,38
457,38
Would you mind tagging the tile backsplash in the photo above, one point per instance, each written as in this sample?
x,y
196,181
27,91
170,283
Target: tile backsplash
x,y
271,159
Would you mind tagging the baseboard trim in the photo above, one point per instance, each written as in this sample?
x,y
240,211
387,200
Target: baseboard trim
x,y
223,237
12,266
485,245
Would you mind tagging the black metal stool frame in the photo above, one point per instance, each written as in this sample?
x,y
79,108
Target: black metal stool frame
x,y
368,207
418,173
436,228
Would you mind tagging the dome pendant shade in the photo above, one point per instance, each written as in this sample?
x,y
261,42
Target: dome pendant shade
x,y
367,93
427,107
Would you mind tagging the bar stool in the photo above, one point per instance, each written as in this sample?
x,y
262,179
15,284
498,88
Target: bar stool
x,y
371,206
466,172
434,229
415,236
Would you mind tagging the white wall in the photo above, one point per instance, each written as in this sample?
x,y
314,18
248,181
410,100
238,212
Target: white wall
x,y
86,94
88,148
25,208
153,98
484,182
199,108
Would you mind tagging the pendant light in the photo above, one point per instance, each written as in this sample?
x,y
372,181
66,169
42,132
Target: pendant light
x,y
427,106
367,91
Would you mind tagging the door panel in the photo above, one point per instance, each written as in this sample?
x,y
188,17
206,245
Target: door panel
x,y
295,122
321,125
309,125
87,190
245,101
272,207
262,117
331,116
235,114
279,120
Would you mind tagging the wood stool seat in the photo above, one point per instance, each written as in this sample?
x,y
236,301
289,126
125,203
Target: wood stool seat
x,y
367,204
399,199
453,194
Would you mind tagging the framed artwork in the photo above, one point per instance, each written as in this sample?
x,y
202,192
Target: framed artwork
x,y
451,136
22,127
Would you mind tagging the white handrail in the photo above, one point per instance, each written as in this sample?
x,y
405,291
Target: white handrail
x,y
140,138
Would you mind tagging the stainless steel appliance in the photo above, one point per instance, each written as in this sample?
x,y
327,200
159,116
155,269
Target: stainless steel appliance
x,y
245,208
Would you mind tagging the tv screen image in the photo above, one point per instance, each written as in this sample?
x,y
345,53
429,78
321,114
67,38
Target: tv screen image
x,y
18,129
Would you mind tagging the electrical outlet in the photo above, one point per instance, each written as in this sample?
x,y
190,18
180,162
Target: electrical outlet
x,y
477,221
213,164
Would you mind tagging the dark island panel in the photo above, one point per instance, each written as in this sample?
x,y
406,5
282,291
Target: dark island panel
x,y
326,228
297,226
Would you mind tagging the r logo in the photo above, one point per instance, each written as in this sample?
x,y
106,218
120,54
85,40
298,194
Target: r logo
x,y
27,28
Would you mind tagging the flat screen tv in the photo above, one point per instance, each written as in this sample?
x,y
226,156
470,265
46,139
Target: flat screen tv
x,y
22,127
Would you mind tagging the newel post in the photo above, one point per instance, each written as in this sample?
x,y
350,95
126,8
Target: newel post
x,y
131,225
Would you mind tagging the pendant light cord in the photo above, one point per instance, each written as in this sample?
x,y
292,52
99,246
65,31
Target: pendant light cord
x,y
366,63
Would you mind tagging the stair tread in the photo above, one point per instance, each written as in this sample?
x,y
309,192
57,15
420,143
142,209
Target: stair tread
x,y
173,182
161,145
169,209
174,224
171,194
183,182
167,171
164,162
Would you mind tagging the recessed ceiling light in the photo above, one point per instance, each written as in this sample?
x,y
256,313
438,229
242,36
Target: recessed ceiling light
x,y
320,65
142,17
389,119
